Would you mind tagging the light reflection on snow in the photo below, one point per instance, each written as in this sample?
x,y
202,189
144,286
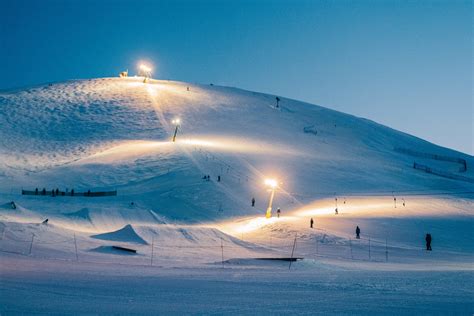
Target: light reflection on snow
x,y
254,224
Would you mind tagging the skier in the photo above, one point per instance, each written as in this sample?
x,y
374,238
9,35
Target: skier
x,y
336,211
311,222
278,212
218,178
13,205
357,232
253,202
428,242
278,102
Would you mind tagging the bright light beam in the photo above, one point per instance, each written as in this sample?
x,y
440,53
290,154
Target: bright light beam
x,y
272,183
144,71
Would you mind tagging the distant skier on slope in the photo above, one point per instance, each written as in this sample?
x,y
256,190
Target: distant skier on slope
x,y
253,202
311,222
357,232
278,212
428,242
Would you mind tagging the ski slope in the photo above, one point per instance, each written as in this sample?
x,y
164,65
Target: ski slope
x,y
115,134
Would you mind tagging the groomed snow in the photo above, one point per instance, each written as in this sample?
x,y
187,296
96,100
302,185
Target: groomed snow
x,y
198,241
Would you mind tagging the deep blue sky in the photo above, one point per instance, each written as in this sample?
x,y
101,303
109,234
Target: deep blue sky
x,y
405,64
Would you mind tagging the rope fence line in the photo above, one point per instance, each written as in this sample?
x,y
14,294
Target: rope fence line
x,y
82,249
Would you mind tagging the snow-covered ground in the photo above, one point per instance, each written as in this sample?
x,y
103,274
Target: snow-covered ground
x,y
199,243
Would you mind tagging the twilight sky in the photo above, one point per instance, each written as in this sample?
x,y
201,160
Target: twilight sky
x,y
405,64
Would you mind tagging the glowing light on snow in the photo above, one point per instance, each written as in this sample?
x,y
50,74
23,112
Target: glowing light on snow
x,y
144,70
254,224
198,142
152,90
272,183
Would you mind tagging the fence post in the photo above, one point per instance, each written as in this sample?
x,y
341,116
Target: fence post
x,y
350,245
222,252
75,246
293,251
31,245
152,247
369,250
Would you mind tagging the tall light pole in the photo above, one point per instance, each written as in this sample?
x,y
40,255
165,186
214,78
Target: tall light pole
x,y
145,71
176,122
272,184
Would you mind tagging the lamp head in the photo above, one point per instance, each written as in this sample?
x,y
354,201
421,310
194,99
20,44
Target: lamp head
x,y
176,121
272,183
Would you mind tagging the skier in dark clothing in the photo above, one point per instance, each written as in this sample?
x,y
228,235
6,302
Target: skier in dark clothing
x,y
357,232
253,202
218,178
311,222
13,205
278,212
428,242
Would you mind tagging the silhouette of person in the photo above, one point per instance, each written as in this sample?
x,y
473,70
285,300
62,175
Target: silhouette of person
x,y
311,222
357,232
428,242
253,202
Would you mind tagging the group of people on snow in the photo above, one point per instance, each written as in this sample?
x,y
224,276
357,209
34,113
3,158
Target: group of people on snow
x,y
55,192
208,178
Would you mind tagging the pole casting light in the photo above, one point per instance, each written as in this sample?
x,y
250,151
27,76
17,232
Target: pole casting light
x,y
272,184
144,71
176,122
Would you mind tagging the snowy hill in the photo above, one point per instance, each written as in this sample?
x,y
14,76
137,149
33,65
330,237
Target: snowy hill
x,y
115,134
121,251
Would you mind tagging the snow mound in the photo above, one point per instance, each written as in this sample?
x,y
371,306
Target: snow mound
x,y
125,234
82,214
